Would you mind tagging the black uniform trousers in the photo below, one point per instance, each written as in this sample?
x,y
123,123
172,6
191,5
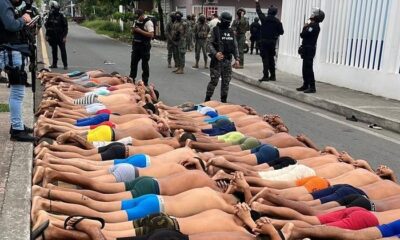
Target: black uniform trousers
x,y
267,53
140,51
54,50
308,72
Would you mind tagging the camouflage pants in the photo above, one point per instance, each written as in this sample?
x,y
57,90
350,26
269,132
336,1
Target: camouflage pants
x,y
201,45
179,54
219,69
170,48
189,41
241,40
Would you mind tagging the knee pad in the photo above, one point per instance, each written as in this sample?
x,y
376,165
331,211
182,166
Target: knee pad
x,y
112,151
16,76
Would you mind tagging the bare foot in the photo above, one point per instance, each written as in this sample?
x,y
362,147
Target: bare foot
x,y
287,230
260,194
40,191
38,204
38,175
41,154
39,147
188,143
48,176
345,157
42,130
64,137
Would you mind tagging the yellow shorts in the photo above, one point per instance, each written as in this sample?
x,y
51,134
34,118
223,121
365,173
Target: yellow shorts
x,y
313,184
101,133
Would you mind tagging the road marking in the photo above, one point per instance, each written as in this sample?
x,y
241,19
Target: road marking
x,y
45,55
315,113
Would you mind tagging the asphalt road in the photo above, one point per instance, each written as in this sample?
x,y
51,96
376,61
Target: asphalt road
x,y
87,50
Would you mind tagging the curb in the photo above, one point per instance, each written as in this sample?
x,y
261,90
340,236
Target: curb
x,y
332,106
15,221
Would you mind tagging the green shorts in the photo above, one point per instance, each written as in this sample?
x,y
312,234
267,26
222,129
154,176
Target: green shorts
x,y
142,186
249,143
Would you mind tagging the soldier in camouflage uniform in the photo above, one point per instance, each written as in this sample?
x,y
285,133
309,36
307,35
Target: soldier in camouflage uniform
x,y
201,31
223,48
189,35
240,26
179,31
170,45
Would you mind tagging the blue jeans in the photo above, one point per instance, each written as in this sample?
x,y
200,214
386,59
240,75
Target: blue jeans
x,y
17,92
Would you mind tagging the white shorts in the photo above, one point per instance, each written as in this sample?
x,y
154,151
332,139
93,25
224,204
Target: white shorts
x,y
290,173
94,108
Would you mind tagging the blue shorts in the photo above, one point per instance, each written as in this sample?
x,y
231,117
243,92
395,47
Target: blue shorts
x,y
141,206
95,120
137,160
390,230
265,153
336,192
214,119
211,114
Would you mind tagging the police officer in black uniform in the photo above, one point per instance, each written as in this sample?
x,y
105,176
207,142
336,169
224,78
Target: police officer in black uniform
x,y
56,33
308,49
271,29
222,48
143,32
12,55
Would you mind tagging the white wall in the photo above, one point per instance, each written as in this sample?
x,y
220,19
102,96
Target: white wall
x,y
358,48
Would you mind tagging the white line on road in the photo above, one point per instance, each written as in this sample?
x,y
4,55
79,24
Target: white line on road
x,y
315,113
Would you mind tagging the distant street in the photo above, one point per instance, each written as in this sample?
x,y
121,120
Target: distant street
x,y
87,50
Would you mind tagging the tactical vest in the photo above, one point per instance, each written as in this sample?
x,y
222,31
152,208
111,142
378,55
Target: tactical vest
x,y
226,41
202,32
139,38
7,36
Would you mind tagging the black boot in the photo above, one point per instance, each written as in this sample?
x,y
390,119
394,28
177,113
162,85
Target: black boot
x,y
207,99
272,77
302,88
26,129
21,136
53,66
310,90
224,99
264,79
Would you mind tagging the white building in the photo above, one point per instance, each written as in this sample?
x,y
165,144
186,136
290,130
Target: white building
x,y
358,48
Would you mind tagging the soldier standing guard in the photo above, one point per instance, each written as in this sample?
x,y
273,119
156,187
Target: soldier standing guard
x,y
179,31
222,46
240,26
201,31
170,45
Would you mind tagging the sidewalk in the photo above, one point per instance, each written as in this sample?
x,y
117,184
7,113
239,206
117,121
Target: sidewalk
x,y
365,107
15,175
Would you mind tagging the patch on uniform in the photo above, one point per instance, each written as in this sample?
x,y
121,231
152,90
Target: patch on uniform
x,y
310,29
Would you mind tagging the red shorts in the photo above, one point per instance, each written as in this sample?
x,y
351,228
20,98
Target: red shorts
x,y
103,111
106,123
353,218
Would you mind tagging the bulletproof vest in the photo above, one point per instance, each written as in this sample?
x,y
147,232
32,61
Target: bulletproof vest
x,y
139,38
7,36
241,26
202,32
54,25
179,31
226,41
310,34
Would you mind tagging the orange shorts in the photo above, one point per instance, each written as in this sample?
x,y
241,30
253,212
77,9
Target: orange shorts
x,y
313,184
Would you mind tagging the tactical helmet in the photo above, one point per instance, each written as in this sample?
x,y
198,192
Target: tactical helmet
x,y
188,17
202,17
226,17
54,4
256,19
317,15
178,13
272,11
240,10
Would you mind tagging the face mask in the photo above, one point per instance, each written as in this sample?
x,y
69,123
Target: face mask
x,y
202,21
178,18
225,25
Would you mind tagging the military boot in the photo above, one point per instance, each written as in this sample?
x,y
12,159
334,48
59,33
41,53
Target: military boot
x,y
176,70
205,64
196,65
180,71
169,65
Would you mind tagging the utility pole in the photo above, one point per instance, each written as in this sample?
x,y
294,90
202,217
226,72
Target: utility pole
x,y
72,9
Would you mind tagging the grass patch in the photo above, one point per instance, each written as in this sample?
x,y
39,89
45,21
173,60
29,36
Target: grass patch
x,y
108,28
4,107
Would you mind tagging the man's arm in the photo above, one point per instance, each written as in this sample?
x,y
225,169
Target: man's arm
x,y
65,26
210,46
7,18
149,26
260,14
281,31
